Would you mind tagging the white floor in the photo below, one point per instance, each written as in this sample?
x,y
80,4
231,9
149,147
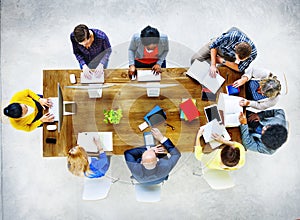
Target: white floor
x,y
35,36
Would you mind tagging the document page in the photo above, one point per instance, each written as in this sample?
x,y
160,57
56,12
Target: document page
x,y
85,140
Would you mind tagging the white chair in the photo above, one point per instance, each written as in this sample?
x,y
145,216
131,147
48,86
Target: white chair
x,y
96,188
147,193
218,179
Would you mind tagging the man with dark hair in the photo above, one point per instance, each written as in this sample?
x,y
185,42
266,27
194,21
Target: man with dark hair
x,y
148,50
232,49
265,131
152,166
91,48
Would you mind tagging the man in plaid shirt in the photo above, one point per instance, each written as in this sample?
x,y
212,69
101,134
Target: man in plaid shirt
x,y
232,49
91,48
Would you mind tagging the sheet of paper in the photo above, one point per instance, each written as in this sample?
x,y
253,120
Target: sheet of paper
x,y
199,71
85,140
147,76
94,79
210,128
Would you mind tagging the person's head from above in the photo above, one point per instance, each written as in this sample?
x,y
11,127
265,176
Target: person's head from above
x,y
242,51
15,110
78,163
230,156
83,35
149,159
273,136
270,86
150,37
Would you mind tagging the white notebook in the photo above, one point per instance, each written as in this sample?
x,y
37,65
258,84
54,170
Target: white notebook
x,y
147,76
214,127
231,109
200,72
85,140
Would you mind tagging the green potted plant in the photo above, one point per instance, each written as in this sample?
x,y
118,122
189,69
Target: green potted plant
x,y
112,116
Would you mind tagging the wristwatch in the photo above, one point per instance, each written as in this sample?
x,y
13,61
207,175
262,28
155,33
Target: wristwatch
x,y
223,61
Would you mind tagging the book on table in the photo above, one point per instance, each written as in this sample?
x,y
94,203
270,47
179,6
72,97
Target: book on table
x,y
231,109
189,109
214,127
85,140
232,90
182,115
200,72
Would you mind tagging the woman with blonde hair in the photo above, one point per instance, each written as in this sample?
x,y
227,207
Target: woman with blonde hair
x,y
80,164
263,91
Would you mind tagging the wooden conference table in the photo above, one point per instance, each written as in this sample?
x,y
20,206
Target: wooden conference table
x,y
135,105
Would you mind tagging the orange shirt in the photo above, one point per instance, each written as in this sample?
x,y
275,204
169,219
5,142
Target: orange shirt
x,y
151,57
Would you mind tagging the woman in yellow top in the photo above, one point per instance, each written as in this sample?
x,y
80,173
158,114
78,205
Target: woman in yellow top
x,y
230,157
26,110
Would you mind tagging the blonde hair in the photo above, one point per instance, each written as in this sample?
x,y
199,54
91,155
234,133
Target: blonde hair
x,y
270,86
78,163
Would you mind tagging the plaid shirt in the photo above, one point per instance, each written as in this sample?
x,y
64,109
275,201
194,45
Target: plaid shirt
x,y
227,42
100,45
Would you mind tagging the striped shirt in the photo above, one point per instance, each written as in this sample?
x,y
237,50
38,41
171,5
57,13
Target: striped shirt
x,y
100,46
226,43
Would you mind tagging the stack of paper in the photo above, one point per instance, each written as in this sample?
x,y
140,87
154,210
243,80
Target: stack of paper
x,y
231,109
85,140
200,72
189,109
216,128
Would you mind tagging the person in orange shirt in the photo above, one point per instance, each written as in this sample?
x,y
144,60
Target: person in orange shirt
x,y
148,50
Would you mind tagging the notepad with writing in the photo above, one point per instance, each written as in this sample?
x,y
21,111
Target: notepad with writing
x,y
189,109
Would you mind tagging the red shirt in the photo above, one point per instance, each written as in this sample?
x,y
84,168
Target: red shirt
x,y
149,58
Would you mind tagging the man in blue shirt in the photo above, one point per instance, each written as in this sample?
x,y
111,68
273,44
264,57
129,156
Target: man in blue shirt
x,y
232,49
265,131
146,166
91,48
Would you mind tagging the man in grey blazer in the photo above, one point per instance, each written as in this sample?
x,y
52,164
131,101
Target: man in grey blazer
x,y
265,131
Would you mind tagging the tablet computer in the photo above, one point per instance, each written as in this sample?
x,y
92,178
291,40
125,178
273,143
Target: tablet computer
x,y
212,112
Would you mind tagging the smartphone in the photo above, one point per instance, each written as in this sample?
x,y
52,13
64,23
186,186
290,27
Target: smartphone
x,y
51,140
212,112
149,139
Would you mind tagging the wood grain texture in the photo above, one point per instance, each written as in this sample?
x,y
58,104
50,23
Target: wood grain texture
x,y
135,105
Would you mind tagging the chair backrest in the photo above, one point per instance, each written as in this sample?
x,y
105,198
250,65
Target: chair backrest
x,y
147,193
96,188
218,179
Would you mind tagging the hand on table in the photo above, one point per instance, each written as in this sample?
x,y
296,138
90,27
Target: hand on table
x,y
87,72
157,134
97,142
45,102
48,117
99,70
132,72
156,69
213,71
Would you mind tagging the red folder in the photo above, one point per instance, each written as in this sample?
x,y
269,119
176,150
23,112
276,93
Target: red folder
x,y
189,109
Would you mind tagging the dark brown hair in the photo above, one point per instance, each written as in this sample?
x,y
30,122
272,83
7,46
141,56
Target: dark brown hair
x,y
81,32
243,50
230,156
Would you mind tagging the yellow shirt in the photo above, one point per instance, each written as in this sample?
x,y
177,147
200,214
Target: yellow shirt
x,y
213,159
25,123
